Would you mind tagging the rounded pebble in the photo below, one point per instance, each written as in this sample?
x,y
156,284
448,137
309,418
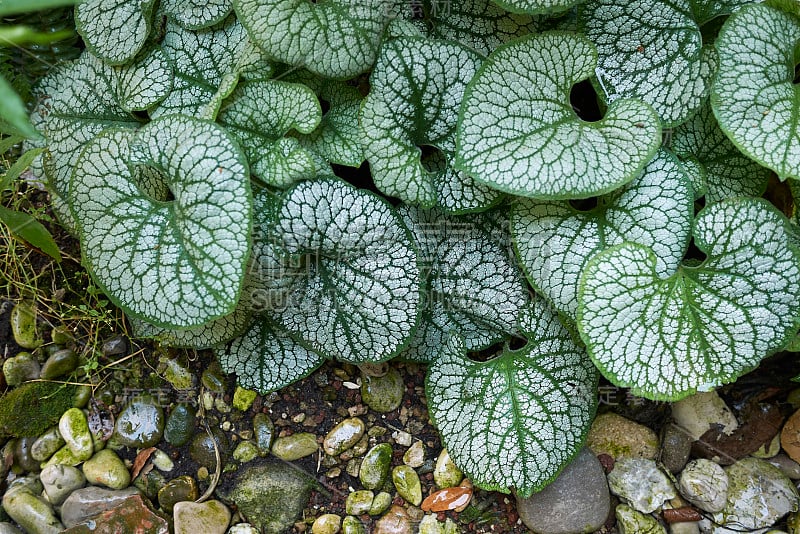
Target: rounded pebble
x,y
263,432
295,446
74,429
343,436
619,437
380,503
59,363
327,524
21,368
446,474
353,525
359,502
630,521
374,469
202,448
106,469
641,483
407,483
140,424
180,425
676,446
704,484
415,455
183,488
383,393
59,481
245,451
47,444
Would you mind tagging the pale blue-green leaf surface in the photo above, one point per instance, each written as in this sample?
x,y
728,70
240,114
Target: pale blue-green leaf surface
x,y
336,38
518,132
651,50
514,421
175,263
358,294
754,97
703,326
260,114
537,6
554,241
472,285
416,89
196,14
728,172
114,30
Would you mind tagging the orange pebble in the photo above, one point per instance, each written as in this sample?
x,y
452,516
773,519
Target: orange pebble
x,y
447,499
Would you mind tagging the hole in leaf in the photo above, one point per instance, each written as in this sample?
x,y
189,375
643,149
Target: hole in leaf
x,y
583,99
432,158
488,353
324,105
359,177
142,115
584,204
516,343
694,256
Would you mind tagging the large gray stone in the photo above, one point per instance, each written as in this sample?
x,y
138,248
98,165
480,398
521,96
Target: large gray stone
x,y
577,501
270,495
90,501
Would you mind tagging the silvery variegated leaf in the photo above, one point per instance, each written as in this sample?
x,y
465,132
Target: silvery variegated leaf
x,y
336,38
515,421
175,263
412,108
754,96
705,325
651,50
518,133
728,172
358,292
260,114
196,14
79,99
114,30
471,283
554,241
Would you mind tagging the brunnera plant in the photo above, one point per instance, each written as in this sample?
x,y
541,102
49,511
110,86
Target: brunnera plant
x,y
286,182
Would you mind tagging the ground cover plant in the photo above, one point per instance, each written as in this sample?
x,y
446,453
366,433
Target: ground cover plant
x,y
286,182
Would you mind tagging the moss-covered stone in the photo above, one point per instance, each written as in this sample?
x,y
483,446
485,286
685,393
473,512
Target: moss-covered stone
x,y
33,407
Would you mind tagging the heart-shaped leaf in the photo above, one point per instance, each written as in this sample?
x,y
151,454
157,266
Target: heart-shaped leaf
x,y
472,286
175,263
662,62
516,420
260,114
412,108
728,173
554,240
266,357
336,38
703,326
479,24
517,130
114,30
357,297
705,10
77,100
196,14
207,66
754,97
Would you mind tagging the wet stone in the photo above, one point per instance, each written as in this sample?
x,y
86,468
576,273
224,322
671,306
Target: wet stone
x,y
375,466
60,481
383,393
407,482
183,488
245,451
327,524
180,425
630,521
177,373
140,424
353,525
59,363
263,432
150,482
380,503
214,379
131,515
415,455
577,501
74,429
162,461
445,472
90,501
23,326
47,444
788,467
343,436
22,455
106,469
60,335
641,483
9,528
758,495
202,448
243,398
619,437
704,484
24,505
295,446
700,412
115,346
396,521
209,517
676,445
271,496
21,368
359,502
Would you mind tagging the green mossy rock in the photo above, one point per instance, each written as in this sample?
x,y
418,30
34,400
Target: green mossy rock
x,y
32,408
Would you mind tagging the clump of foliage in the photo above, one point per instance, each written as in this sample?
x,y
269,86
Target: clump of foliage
x,y
210,155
